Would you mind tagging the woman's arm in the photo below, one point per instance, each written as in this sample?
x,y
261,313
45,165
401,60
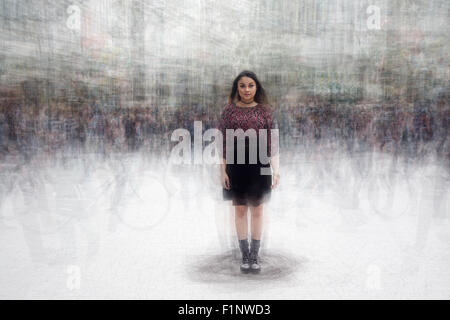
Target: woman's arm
x,y
223,165
275,163
273,146
223,175
222,125
273,150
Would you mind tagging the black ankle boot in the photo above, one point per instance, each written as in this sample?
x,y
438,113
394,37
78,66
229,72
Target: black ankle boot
x,y
254,260
245,265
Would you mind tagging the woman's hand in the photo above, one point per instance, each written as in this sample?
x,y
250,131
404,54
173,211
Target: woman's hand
x,y
225,181
275,180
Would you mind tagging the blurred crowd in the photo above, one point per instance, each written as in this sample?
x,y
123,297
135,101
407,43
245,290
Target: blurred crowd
x,y
391,126
396,126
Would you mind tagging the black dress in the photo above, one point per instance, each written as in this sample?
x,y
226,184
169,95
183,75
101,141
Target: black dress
x,y
250,183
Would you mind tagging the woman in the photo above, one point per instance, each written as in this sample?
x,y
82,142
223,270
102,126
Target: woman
x,y
249,184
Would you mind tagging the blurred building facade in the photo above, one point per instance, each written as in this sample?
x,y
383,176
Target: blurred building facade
x,y
174,53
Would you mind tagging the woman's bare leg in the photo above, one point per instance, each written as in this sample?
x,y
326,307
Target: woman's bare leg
x,y
241,221
256,221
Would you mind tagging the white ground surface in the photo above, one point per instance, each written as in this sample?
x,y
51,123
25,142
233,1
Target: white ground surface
x,y
135,226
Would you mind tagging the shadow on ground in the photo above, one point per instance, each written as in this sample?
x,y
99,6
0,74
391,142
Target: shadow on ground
x,y
224,268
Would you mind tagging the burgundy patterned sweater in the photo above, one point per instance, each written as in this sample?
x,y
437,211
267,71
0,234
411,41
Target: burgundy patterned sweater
x,y
258,117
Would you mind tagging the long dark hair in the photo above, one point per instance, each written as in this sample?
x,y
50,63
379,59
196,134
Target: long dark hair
x,y
260,95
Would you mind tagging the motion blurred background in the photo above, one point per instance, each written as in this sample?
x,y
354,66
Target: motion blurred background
x,y
91,91
158,65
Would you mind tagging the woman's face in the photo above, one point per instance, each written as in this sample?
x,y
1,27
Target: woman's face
x,y
247,89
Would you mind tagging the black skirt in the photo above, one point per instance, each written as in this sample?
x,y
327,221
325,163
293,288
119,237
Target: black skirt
x,y
248,184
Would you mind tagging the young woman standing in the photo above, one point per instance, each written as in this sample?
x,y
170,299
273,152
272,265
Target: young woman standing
x,y
247,184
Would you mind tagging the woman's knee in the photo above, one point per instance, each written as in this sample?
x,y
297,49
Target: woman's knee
x,y
241,210
257,211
